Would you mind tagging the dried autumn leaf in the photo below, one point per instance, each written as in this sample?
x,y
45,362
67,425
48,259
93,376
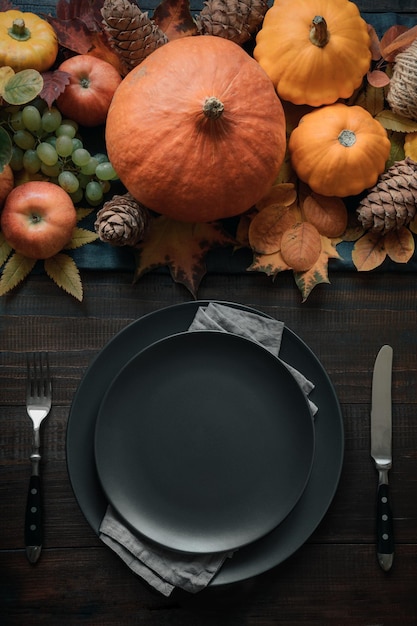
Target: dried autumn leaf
x,y
269,264
23,87
64,272
375,44
378,79
82,212
72,34
6,148
174,18
392,121
5,5
182,247
370,98
397,39
242,231
329,215
368,252
267,227
6,73
410,145
15,270
5,249
317,273
399,245
283,194
80,237
301,246
87,10
54,84
397,148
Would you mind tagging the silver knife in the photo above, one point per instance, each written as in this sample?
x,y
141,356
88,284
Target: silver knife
x,y
381,452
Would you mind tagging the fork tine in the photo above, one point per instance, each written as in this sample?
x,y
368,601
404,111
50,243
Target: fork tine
x,y
38,375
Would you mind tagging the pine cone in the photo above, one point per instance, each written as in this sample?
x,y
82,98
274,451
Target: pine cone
x,y
122,221
132,33
392,203
236,20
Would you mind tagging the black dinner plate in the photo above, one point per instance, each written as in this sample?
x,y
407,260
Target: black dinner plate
x,y
204,442
294,531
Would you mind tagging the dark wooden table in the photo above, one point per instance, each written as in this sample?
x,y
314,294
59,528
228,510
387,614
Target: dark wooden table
x,y
334,578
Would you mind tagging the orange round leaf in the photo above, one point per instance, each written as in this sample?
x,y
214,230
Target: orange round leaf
x,y
266,228
328,214
301,246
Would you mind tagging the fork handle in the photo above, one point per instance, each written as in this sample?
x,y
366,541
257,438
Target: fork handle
x,y
33,519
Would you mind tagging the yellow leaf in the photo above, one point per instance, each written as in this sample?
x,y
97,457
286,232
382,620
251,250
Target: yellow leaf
x,y
318,273
15,270
269,264
399,245
80,237
368,252
64,272
5,249
392,121
267,227
82,213
6,73
283,194
410,146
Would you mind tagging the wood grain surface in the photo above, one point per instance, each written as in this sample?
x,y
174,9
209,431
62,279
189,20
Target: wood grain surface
x,y
333,579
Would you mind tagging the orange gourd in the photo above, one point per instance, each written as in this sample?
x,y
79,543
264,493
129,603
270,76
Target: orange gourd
x,y
315,51
196,131
339,150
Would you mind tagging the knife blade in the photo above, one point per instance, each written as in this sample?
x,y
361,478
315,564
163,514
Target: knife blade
x,y
381,452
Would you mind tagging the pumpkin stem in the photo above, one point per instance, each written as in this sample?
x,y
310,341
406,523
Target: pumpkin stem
x,y
347,138
213,108
18,30
319,35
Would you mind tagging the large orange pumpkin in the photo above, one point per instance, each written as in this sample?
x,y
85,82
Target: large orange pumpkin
x,y
196,131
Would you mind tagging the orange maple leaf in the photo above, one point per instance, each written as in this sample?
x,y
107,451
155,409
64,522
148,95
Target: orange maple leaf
x,y
182,247
174,18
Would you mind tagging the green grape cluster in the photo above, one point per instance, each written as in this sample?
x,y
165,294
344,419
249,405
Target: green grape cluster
x,y
44,143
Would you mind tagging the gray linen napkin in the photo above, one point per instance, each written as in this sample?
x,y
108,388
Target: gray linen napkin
x,y
165,569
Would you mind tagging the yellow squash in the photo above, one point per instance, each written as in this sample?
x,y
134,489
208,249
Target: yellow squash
x,y
26,41
314,51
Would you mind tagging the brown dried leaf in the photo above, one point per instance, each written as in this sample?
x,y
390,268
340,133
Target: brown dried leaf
x,y
410,145
182,247
392,121
301,246
15,270
267,227
318,273
378,79
283,194
269,264
397,39
174,18
64,272
329,215
87,10
399,245
54,84
375,45
368,252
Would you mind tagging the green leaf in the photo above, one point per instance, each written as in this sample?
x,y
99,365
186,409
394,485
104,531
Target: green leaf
x,y
5,148
15,270
5,249
80,237
64,272
23,87
399,123
397,148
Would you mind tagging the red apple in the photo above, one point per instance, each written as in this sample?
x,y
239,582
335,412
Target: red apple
x,y
38,219
87,97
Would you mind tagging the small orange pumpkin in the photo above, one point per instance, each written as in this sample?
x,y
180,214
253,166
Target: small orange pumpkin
x,y
339,150
315,51
196,131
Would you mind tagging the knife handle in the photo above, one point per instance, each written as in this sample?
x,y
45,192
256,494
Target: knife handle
x,y
384,528
33,520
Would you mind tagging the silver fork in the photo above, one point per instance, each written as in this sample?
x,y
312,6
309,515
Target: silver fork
x,y
38,405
